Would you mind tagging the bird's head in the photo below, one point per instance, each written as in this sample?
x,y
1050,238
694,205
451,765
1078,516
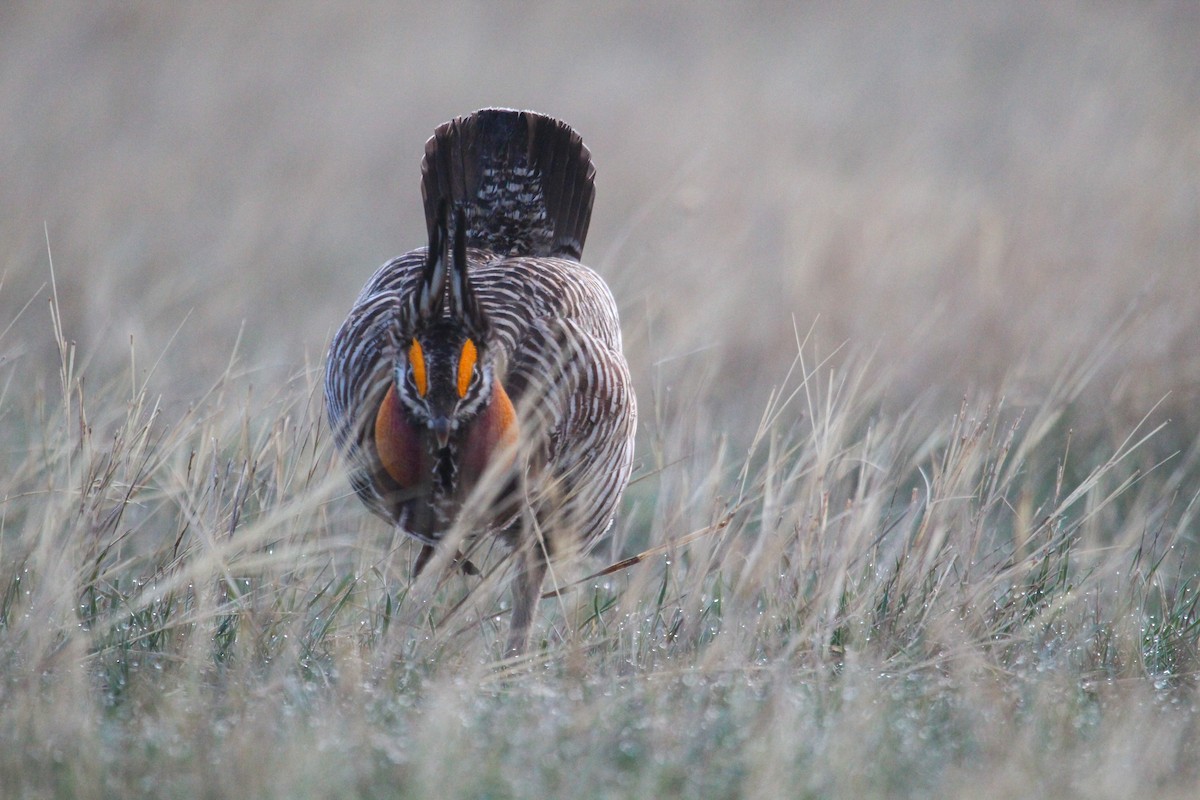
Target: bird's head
x,y
443,376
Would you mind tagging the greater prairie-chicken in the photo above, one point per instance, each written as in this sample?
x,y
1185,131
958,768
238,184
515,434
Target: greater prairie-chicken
x,y
479,382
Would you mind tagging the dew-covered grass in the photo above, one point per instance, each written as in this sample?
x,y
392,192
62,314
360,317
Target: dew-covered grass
x,y
868,604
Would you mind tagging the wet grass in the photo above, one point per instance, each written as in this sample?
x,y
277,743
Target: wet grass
x,y
870,604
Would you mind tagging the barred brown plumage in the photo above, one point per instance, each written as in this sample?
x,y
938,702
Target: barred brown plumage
x,y
480,382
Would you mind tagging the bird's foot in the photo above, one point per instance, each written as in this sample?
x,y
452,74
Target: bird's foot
x,y
459,560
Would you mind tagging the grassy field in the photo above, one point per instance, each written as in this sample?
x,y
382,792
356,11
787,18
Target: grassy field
x,y
909,297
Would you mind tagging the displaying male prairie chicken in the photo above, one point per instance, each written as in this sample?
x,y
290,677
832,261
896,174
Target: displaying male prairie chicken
x,y
478,384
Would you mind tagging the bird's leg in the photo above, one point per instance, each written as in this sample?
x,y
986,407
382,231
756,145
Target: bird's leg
x,y
422,559
527,587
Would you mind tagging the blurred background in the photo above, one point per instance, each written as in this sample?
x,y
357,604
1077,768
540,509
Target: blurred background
x,y
978,194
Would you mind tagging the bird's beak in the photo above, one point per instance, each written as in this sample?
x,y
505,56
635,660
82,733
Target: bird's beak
x,y
441,430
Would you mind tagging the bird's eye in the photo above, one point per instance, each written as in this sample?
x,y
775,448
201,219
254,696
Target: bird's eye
x,y
416,367
467,367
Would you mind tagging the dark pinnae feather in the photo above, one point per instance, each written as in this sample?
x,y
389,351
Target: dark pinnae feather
x,y
463,304
432,286
444,281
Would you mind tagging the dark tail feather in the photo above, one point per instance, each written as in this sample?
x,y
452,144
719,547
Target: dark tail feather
x,y
523,180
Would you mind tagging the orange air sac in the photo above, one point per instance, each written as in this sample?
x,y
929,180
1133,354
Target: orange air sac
x,y
399,448
494,431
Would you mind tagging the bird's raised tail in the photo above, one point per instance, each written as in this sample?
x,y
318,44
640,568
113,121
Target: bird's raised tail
x,y
524,182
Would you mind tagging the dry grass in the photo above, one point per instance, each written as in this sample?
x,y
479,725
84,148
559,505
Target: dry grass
x,y
196,606
903,592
